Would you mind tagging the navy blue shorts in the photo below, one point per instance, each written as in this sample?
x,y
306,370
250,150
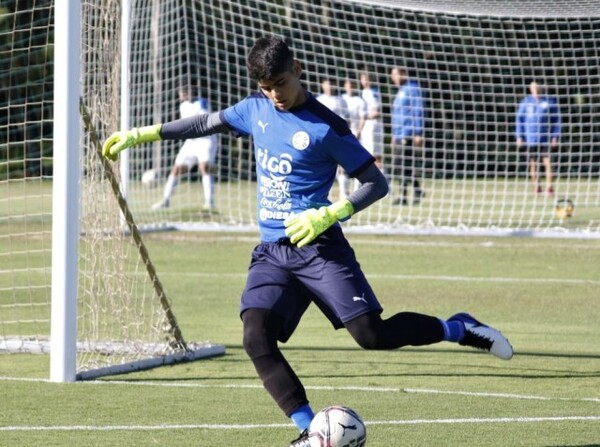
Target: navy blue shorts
x,y
286,279
538,151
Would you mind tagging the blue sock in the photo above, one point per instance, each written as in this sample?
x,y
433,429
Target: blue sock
x,y
453,330
302,416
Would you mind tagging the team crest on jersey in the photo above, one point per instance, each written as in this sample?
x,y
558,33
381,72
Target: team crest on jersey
x,y
300,140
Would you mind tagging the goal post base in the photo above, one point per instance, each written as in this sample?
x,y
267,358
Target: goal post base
x,y
153,355
197,352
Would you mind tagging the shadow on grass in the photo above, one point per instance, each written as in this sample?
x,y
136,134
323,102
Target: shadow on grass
x,y
429,350
501,370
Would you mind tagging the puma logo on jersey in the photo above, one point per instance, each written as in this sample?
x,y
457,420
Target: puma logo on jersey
x,y
262,125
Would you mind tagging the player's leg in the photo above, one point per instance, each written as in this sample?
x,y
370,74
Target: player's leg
x,y
417,169
262,329
412,329
533,173
406,172
397,172
181,166
403,329
272,304
547,161
207,184
205,158
411,170
344,295
172,181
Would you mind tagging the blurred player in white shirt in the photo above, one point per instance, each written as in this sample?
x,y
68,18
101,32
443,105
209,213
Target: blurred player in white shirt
x,y
357,114
357,107
333,102
196,151
338,105
371,136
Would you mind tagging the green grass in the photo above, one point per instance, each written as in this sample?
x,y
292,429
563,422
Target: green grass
x,y
502,203
542,293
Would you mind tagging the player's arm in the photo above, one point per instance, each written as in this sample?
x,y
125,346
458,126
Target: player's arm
x,y
373,186
520,123
306,226
182,129
555,122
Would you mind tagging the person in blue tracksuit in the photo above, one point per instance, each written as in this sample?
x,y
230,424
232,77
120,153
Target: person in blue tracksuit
x,y
538,131
407,133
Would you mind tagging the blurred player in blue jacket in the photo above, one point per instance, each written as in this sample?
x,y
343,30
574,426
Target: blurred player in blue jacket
x,y
538,129
407,133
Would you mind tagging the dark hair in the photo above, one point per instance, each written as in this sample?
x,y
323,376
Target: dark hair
x,y
269,57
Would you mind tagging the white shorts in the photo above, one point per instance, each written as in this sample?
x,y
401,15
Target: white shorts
x,y
198,150
371,137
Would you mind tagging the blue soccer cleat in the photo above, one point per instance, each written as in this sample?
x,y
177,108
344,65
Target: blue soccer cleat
x,y
482,336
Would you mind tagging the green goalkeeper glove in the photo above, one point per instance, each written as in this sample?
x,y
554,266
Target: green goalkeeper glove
x,y
120,141
304,228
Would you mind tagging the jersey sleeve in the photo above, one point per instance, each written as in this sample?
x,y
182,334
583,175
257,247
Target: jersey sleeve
x,y
348,152
238,117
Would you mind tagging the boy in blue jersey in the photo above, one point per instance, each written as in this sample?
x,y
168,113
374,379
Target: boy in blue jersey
x,y
407,133
538,129
303,256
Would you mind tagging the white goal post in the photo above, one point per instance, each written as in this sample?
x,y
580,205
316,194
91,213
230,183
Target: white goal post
x,y
473,60
108,312
66,193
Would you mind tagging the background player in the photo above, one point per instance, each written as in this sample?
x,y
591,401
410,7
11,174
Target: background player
x,y
357,113
407,133
538,129
357,107
195,151
371,136
303,256
338,105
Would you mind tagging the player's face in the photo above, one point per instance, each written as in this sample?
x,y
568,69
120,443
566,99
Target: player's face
x,y
348,87
285,90
365,82
397,76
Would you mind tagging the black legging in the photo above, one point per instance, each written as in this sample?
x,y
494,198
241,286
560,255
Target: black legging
x,y
261,332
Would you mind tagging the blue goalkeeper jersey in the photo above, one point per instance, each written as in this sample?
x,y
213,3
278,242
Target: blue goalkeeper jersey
x,y
408,111
297,153
538,120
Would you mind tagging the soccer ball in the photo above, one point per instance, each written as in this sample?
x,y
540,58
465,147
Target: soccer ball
x,y
564,208
150,178
337,426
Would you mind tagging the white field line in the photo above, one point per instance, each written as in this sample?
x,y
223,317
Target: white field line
x,y
366,389
404,241
264,426
571,281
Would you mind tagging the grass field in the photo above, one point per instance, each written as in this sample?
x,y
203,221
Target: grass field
x,y
503,203
542,293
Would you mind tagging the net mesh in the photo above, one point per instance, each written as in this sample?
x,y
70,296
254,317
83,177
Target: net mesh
x,y
121,318
474,63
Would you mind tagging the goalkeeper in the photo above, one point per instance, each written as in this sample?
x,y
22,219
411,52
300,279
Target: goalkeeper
x,y
303,256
